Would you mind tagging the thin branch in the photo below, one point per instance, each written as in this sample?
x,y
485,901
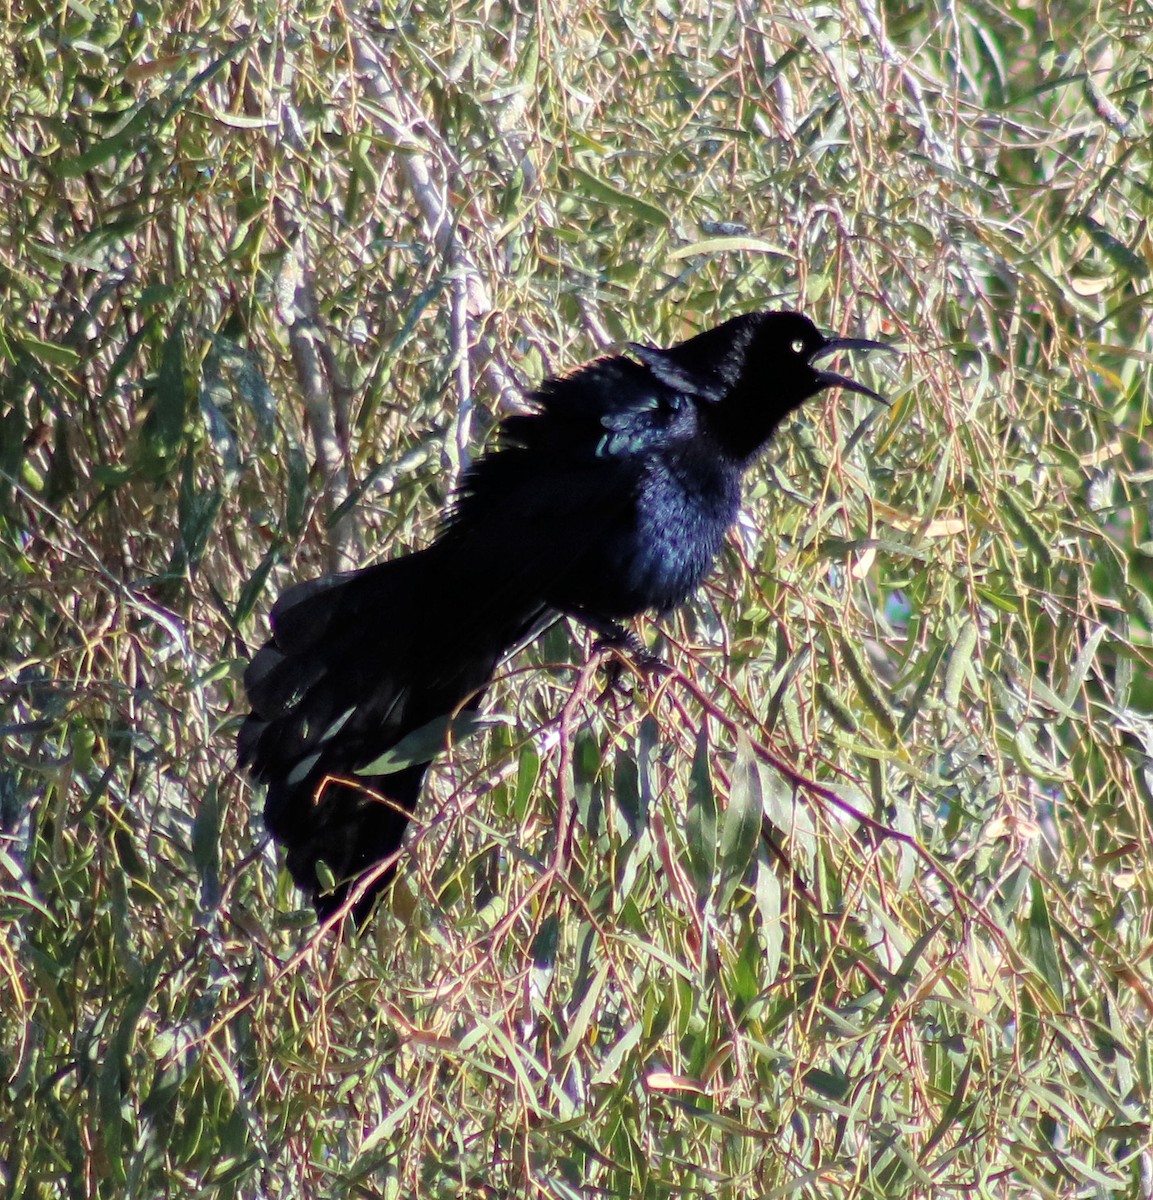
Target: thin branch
x,y
429,165
325,400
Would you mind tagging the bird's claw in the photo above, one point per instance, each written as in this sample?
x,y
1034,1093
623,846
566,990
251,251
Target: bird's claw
x,y
622,645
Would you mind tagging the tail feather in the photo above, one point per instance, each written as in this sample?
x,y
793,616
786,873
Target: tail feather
x,y
304,613
349,827
356,662
276,683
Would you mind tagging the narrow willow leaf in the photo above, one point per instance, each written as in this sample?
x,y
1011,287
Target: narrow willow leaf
x,y
121,141
929,666
1031,534
1081,665
833,1085
746,981
248,378
617,198
586,769
722,245
869,691
741,825
583,1016
380,1133
1038,942
297,492
610,1064
959,659
164,424
701,826
783,810
840,712
425,743
1000,599
952,1109
544,945
904,821
781,682
1035,762
197,510
113,1100
206,846
648,737
48,352
770,925
1125,260
904,974
627,788
528,771
253,587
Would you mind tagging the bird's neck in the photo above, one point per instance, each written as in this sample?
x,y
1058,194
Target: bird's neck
x,y
744,421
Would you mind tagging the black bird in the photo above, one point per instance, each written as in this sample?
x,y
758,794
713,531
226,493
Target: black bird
x,y
611,497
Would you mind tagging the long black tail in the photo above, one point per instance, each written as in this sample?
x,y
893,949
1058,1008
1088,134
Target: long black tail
x,y
355,664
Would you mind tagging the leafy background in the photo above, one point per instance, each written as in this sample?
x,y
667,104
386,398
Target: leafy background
x,y
856,902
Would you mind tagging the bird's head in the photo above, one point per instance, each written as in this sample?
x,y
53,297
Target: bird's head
x,y
752,371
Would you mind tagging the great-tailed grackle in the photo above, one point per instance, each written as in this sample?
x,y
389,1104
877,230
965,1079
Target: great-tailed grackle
x,y
610,497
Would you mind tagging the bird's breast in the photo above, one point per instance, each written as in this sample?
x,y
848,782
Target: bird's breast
x,y
685,508
663,544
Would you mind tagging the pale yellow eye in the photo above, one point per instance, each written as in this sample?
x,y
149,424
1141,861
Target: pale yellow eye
x,y
797,346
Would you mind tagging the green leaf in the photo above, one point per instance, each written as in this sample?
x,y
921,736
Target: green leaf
x,y
904,974
114,1108
632,785
425,743
528,771
722,245
196,514
741,824
1038,942
1000,599
50,353
959,659
927,671
584,1015
837,709
617,198
167,408
869,692
1081,665
1124,259
770,922
1034,537
244,369
788,815
701,827
297,491
122,140
206,846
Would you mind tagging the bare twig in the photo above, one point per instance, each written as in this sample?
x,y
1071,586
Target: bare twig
x,y
429,165
325,400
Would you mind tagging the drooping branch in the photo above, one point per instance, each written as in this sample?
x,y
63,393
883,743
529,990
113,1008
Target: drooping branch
x,y
429,165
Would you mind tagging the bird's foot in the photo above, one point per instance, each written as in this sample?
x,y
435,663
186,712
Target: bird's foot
x,y
623,646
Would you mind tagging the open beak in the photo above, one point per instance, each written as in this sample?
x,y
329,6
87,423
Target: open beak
x,y
832,379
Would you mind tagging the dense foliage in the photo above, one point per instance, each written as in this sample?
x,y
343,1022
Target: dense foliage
x,y
855,902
